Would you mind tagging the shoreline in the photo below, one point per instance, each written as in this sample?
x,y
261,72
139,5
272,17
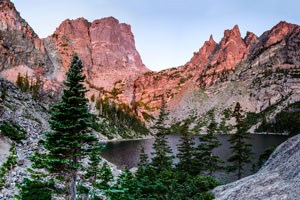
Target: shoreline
x,y
152,136
127,139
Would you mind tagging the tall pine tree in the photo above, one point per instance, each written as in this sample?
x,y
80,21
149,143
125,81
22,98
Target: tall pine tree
x,y
162,158
208,161
69,139
186,151
143,164
241,149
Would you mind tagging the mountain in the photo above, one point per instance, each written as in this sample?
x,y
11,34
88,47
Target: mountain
x,y
260,72
19,44
219,74
212,61
106,48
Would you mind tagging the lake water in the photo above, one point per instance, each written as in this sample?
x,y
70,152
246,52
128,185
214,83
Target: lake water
x,y
126,153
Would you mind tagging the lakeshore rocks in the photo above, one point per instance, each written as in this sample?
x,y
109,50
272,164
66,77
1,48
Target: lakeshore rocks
x,y
277,179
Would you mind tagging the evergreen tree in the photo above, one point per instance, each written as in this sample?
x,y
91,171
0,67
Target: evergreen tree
x,y
208,161
162,158
36,190
241,149
93,98
36,87
186,151
26,84
93,165
144,170
19,81
69,139
125,187
105,176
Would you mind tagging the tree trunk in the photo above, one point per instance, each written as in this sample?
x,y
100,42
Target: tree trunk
x,y
72,187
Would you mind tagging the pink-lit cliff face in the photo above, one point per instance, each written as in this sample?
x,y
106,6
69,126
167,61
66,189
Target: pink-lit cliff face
x,y
18,42
106,48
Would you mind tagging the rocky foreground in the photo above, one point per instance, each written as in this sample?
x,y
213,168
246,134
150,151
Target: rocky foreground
x,y
279,178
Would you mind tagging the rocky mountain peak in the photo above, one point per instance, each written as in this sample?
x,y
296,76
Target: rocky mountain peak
x,y
250,38
211,39
19,44
231,50
200,58
105,46
278,32
234,32
9,16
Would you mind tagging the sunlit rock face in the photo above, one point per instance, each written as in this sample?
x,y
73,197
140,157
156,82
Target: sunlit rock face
x,y
277,179
19,44
106,48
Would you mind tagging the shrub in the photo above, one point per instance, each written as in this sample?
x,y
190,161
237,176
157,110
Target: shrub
x,y
12,131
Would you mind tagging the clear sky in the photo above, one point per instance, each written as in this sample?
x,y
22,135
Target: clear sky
x,y
167,32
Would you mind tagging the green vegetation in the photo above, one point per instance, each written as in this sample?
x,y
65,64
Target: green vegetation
x,y
159,179
162,158
8,165
117,120
241,149
184,79
98,174
36,190
165,184
93,98
287,120
186,152
265,156
34,86
207,160
13,131
70,140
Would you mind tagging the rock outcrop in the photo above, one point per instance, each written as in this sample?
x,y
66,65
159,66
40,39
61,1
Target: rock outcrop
x,y
19,44
106,48
277,179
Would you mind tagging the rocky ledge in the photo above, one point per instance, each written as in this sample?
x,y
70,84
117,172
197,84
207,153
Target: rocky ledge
x,y
279,178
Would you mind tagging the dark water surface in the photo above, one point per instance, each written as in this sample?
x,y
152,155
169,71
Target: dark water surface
x,y
126,153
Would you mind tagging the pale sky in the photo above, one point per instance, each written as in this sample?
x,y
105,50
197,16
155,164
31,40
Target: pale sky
x,y
167,32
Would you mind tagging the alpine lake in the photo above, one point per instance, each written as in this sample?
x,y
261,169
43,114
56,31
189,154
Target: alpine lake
x,y
126,153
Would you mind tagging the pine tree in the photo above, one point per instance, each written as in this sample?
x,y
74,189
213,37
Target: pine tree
x,y
26,85
93,98
93,165
105,176
162,158
143,161
69,139
186,151
125,187
208,161
143,165
36,87
241,150
19,81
